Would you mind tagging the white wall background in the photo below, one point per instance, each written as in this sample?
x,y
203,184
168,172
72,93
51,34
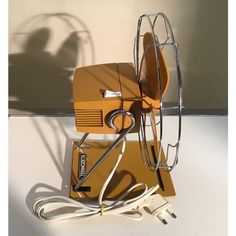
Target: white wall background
x,y
200,27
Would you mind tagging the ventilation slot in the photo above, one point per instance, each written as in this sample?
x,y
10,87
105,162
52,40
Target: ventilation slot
x,y
88,118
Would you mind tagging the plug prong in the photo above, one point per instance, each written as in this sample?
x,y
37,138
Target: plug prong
x,y
171,213
162,219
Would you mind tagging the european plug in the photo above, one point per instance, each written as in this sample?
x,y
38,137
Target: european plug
x,y
159,207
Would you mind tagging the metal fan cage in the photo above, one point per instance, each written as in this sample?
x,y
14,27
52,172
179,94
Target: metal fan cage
x,y
168,41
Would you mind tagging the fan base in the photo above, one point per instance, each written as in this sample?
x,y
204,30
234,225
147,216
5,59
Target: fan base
x,y
130,171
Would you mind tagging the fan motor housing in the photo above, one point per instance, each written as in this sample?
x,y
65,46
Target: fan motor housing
x,y
92,109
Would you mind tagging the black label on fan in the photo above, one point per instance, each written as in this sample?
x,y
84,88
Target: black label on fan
x,y
82,166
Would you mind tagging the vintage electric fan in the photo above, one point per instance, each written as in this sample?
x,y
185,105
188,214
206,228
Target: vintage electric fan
x,y
120,99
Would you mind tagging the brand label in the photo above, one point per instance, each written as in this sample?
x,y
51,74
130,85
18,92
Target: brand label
x,y
82,166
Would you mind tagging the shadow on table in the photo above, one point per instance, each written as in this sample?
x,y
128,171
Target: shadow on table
x,y
62,162
19,224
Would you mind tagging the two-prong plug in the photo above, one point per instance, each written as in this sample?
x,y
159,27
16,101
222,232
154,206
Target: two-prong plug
x,y
159,207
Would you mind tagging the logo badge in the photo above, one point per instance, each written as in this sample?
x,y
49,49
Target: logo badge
x,y
82,166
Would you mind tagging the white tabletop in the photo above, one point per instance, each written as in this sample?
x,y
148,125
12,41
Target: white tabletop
x,y
40,159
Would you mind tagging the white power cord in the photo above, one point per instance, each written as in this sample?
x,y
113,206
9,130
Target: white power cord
x,y
44,208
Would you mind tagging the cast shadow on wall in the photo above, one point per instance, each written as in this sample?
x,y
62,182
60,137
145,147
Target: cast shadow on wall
x,y
39,80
